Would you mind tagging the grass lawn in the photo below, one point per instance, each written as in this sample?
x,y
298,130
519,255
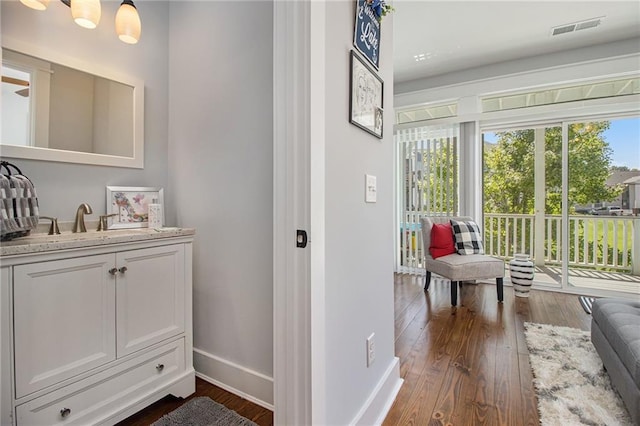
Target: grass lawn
x,y
615,231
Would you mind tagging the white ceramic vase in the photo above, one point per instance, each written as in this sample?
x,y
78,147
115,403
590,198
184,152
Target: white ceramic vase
x,y
521,270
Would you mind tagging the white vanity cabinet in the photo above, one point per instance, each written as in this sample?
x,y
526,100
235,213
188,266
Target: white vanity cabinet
x,y
95,334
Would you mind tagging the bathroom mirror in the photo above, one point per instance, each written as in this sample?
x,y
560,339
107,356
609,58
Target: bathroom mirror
x,y
57,108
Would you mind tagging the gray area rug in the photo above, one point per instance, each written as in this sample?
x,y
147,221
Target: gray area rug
x,y
571,385
203,411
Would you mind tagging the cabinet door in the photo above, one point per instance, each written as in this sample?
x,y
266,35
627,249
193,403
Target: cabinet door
x,y
5,348
150,296
64,319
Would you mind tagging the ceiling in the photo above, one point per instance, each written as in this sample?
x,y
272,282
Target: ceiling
x,y
457,35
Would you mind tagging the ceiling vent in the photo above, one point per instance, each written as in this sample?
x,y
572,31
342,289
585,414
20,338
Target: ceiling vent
x,y
576,26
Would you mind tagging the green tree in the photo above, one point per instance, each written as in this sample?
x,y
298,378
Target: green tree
x,y
439,184
622,169
510,165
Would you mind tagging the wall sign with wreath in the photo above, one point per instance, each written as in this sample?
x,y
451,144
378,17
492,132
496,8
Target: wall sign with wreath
x,y
366,37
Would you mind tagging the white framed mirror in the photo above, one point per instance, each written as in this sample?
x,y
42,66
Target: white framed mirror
x,y
58,108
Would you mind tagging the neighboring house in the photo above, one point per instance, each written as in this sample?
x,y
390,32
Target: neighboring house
x,y
631,194
622,178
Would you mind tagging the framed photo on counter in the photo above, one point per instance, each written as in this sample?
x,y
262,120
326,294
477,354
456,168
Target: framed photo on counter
x,y
129,205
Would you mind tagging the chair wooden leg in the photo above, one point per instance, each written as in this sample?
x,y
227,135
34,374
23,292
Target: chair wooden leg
x,y
427,281
454,293
500,288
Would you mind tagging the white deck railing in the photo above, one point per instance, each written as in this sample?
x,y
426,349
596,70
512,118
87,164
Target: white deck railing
x,y
594,241
602,242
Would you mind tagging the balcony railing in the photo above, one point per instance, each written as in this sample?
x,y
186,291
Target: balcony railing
x,y
608,243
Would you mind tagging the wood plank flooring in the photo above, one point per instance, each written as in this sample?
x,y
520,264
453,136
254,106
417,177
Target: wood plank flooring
x,y
461,366
248,409
469,365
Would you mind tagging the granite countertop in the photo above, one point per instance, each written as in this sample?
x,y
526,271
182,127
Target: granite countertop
x,y
41,242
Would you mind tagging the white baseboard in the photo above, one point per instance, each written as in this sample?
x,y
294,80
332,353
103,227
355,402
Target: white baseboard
x,y
375,409
246,383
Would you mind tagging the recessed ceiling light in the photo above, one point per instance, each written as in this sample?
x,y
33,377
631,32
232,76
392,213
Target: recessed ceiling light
x,y
422,56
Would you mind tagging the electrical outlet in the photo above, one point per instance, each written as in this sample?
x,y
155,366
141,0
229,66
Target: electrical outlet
x,y
371,349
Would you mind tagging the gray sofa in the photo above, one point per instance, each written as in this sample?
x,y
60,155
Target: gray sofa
x,y
615,333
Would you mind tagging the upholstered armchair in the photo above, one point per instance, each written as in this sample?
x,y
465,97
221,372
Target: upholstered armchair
x,y
459,267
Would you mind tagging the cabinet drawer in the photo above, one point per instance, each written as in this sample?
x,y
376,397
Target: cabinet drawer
x,y
92,399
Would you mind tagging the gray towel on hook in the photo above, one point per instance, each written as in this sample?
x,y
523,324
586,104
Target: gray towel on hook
x,y
26,205
8,223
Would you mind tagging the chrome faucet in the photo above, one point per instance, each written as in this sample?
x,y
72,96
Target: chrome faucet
x,y
83,209
53,228
103,225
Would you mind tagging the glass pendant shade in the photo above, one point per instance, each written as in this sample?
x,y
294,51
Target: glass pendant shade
x,y
128,25
86,13
36,4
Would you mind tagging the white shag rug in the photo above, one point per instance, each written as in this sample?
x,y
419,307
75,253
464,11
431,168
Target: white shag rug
x,y
571,384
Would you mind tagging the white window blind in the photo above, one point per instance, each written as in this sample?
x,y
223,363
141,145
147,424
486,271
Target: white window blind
x,y
427,186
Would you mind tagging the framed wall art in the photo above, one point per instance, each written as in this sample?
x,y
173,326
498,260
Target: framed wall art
x,y
366,97
129,205
366,36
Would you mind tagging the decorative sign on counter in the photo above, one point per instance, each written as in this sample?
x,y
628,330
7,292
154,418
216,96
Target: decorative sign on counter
x,y
367,32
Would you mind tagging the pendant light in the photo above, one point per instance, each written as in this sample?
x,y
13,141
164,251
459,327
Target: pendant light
x,y
36,4
128,25
86,13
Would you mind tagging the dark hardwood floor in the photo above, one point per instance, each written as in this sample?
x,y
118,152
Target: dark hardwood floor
x,y
469,365
248,409
461,366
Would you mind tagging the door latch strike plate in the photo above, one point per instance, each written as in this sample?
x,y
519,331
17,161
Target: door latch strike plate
x,y
301,238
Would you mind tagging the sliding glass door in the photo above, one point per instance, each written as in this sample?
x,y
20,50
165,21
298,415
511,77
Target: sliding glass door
x,y
523,197
603,233
565,195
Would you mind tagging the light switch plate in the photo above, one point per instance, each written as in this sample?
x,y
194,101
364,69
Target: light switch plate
x,y
370,189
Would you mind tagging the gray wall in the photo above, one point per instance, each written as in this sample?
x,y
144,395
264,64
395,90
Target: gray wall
x,y
359,236
220,162
62,187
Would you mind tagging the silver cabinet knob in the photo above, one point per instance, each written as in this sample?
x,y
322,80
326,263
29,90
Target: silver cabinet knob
x,y
160,367
65,412
122,270
113,271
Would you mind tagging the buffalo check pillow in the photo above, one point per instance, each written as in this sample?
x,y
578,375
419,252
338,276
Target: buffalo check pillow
x,y
467,237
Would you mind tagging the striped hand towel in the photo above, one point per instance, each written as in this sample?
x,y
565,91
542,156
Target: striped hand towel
x,y
8,223
26,206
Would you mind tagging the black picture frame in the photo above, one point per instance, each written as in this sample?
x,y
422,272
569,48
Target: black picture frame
x,y
366,97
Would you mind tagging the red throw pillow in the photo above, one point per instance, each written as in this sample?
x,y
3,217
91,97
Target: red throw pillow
x,y
442,242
